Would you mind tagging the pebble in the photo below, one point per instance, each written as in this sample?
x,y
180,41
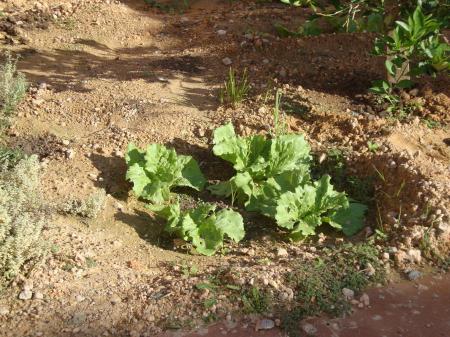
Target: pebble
x,y
227,61
415,255
25,295
4,310
414,275
265,324
364,299
348,294
115,299
221,32
80,298
281,252
309,329
38,295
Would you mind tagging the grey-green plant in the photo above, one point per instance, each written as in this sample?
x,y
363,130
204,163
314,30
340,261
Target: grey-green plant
x,y
22,217
13,87
86,208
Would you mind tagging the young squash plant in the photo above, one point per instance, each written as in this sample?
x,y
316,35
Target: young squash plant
x,y
273,178
156,170
202,226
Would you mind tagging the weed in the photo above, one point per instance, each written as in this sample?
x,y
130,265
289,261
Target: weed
x,y
13,87
279,119
373,147
256,301
319,283
235,89
172,7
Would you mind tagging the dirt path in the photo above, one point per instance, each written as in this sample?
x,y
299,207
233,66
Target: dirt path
x,y
412,309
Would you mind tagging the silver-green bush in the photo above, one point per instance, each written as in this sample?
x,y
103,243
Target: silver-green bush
x,y
22,216
88,208
13,87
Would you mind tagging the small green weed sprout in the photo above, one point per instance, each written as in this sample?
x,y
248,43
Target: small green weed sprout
x,y
89,208
13,87
235,89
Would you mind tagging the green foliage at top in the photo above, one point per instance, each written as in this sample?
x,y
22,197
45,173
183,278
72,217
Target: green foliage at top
x,y
273,178
156,170
202,226
13,87
414,48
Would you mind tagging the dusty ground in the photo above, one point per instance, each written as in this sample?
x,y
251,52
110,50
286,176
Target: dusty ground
x,y
106,73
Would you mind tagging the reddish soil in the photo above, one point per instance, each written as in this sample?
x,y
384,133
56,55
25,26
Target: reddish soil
x,y
419,309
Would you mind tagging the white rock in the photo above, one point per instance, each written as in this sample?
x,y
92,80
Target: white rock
x,y
4,310
281,252
38,295
227,61
265,324
309,329
221,32
25,295
115,299
414,255
364,299
348,294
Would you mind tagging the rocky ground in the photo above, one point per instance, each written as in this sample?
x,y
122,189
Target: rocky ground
x,y
106,73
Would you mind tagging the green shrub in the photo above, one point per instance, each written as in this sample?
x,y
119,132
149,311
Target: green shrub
x,y
13,87
22,216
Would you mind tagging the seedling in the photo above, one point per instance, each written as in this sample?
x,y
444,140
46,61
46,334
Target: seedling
x,y
373,147
235,89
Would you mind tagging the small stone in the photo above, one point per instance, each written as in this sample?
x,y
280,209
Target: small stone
x,y
65,142
38,295
115,299
370,270
365,300
385,256
264,324
414,275
3,310
26,295
348,294
221,32
80,298
227,61
70,154
309,329
281,252
414,255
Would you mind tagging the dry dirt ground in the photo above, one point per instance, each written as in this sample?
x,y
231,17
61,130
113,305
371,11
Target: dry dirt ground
x,y
106,73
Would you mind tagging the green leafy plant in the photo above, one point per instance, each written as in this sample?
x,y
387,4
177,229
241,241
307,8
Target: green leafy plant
x,y
202,226
156,170
234,89
13,87
414,48
372,146
273,178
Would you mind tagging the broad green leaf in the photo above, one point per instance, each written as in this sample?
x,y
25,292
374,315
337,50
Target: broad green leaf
x,y
155,171
349,219
202,226
231,224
